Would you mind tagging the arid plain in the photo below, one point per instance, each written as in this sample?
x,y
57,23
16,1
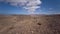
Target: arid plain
x,y
30,24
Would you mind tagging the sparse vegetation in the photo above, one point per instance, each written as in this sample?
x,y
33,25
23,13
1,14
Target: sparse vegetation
x,y
26,24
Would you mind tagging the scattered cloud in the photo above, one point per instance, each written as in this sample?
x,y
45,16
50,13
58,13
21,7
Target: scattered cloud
x,y
50,8
30,5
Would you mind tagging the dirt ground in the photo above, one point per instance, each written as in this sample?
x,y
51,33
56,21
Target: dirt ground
x,y
26,24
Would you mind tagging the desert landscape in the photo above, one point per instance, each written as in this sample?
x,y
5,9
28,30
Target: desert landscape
x,y
30,24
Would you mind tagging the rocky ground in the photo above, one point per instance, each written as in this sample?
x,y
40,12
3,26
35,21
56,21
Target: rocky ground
x,y
27,24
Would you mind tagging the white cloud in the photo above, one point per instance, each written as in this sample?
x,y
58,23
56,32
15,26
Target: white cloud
x,y
30,5
50,8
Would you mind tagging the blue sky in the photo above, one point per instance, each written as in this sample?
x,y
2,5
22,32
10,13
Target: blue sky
x,y
46,7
